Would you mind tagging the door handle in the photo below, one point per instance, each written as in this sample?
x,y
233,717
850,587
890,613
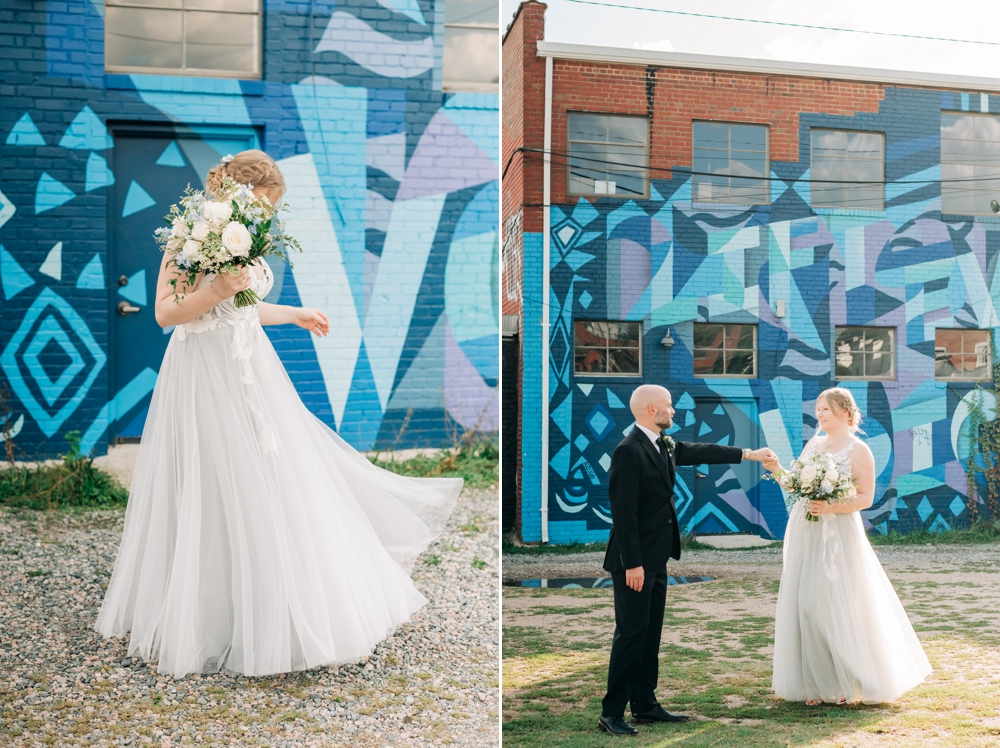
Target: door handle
x,y
700,475
125,309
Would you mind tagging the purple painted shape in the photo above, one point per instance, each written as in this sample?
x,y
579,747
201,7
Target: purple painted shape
x,y
634,263
936,314
877,236
954,476
739,501
977,241
469,400
932,232
445,160
658,233
838,297
818,238
902,451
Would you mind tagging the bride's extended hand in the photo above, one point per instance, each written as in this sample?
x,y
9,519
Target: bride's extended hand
x,y
771,463
313,320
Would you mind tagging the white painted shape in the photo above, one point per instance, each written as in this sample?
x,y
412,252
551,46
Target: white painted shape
x,y
377,211
52,266
984,102
854,256
387,153
321,278
605,462
976,291
585,388
923,456
776,436
746,238
6,209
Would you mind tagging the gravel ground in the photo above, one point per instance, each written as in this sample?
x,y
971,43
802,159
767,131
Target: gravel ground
x,y
434,682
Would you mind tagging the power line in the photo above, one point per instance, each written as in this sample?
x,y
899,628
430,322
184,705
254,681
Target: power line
x,y
786,23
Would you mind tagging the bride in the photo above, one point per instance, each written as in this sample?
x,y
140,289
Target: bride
x,y
840,632
256,539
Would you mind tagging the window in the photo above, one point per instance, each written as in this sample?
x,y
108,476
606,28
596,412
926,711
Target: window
x,y
607,155
725,350
603,348
842,162
471,46
970,163
865,353
962,354
203,37
730,163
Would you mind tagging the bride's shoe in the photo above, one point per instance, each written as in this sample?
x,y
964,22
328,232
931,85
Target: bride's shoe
x,y
813,702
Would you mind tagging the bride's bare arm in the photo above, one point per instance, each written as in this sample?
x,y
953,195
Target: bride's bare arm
x,y
193,302
281,314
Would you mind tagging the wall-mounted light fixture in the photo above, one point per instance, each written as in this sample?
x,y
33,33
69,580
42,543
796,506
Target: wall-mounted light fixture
x,y
667,340
779,308
994,206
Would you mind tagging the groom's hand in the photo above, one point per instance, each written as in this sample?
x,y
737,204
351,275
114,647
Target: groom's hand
x,y
763,454
634,578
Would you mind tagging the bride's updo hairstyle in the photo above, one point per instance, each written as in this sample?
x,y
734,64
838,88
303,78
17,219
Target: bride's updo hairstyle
x,y
841,401
247,167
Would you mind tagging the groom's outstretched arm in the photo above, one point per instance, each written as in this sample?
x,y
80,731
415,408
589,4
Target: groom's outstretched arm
x,y
623,491
700,453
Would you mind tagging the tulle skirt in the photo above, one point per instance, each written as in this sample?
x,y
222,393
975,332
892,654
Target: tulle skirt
x,y
840,630
256,540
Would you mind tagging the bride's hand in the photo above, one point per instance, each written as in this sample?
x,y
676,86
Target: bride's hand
x,y
817,508
770,462
227,286
312,320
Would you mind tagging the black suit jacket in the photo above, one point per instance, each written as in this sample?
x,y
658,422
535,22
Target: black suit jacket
x,y
644,528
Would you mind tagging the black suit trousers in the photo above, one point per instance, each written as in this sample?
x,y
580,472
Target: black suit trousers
x,y
635,649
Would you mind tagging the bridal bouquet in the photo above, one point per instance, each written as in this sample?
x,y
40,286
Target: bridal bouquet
x,y
221,233
817,477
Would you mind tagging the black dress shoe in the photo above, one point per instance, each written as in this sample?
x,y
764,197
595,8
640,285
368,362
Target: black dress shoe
x,y
658,714
617,726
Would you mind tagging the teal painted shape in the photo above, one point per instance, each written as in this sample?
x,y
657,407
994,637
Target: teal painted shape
x,y
562,416
883,527
468,278
629,210
586,299
409,8
719,410
171,156
614,401
51,330
92,276
86,132
51,193
924,509
916,483
778,188
136,199
686,402
13,277
25,132
957,506
724,441
939,525
801,186
708,510
900,504
584,212
135,289
126,399
916,415
800,321
788,394
689,419
52,266
98,173
581,442
194,101
577,260
654,194
560,462
477,124
585,388
704,429
578,475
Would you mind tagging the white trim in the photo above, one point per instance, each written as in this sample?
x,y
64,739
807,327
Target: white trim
x,y
643,57
546,251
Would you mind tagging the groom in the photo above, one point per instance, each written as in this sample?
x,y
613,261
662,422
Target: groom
x,y
644,534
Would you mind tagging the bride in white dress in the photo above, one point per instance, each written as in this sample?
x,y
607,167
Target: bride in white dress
x,y
840,632
256,540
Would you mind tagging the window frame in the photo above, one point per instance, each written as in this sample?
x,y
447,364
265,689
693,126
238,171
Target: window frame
x,y
893,357
590,374
645,169
184,71
723,349
849,182
974,165
767,162
989,354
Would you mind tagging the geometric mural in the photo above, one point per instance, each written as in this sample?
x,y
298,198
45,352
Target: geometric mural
x,y
393,190
668,263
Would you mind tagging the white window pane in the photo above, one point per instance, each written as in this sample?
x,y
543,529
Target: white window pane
x,y
627,183
960,151
745,164
625,156
235,50
471,11
471,55
631,130
231,6
865,144
749,137
588,127
987,128
829,142
864,171
139,37
710,135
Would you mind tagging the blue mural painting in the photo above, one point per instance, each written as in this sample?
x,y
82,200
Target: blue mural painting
x,y
670,262
393,190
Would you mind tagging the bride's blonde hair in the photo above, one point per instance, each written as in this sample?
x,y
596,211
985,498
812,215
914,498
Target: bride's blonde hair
x,y
247,167
841,401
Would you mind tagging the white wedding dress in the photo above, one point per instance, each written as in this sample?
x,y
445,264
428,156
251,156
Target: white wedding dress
x,y
256,540
840,630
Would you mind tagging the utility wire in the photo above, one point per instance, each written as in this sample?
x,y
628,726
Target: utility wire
x,y
786,23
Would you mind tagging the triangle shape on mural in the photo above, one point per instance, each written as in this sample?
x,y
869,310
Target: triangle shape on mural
x,y
13,277
98,173
135,289
614,401
562,416
171,156
51,193
363,412
86,132
409,8
92,276
25,132
585,388
52,266
137,199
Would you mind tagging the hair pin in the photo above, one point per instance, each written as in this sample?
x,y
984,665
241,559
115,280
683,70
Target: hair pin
x,y
227,158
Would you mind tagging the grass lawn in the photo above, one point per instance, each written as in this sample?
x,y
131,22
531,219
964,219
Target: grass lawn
x,y
715,665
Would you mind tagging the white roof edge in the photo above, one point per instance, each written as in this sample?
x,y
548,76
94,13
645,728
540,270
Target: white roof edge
x,y
625,56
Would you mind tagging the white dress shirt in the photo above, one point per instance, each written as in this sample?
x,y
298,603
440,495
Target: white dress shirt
x,y
653,437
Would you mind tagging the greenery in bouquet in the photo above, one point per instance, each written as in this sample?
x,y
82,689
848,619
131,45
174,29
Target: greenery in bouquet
x,y
817,477
220,233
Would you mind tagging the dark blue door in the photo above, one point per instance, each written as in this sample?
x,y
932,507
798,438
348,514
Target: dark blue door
x,y
152,167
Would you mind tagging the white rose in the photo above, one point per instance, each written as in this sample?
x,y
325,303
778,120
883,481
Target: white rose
x,y
192,249
826,486
831,475
237,239
180,228
216,212
200,230
808,475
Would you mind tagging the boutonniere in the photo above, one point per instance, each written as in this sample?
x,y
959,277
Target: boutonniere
x,y
667,442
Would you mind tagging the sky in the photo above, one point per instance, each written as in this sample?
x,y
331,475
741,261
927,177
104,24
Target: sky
x,y
574,23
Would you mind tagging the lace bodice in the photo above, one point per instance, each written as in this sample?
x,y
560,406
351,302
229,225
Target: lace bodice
x,y
226,313
840,457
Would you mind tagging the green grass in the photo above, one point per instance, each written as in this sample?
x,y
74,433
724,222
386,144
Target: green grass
x,y
478,464
964,536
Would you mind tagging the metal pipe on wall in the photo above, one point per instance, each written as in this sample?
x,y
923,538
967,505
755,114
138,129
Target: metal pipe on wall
x,y
546,250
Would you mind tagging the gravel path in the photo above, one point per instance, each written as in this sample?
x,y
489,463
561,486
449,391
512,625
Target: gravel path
x,y
433,682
